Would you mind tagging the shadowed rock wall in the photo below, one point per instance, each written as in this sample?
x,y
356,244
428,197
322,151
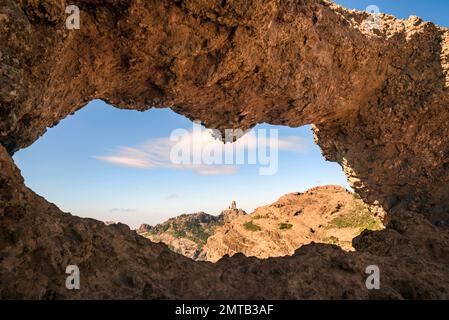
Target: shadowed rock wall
x,y
38,241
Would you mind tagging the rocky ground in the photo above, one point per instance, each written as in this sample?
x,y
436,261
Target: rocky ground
x,y
327,214
38,241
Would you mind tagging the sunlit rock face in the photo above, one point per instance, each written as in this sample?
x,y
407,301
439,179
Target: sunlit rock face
x,y
325,214
377,96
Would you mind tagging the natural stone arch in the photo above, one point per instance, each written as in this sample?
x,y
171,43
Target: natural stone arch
x,y
378,98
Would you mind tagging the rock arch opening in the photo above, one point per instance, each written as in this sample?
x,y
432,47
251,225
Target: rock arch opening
x,y
115,166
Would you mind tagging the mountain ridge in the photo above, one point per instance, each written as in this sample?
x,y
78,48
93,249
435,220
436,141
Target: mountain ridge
x,y
323,214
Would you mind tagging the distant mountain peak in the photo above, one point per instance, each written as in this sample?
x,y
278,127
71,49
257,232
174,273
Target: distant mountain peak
x,y
326,214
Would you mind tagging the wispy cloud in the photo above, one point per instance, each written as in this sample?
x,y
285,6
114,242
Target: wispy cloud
x,y
155,153
123,210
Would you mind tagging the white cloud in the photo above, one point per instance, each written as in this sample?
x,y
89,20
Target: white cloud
x,y
156,153
123,210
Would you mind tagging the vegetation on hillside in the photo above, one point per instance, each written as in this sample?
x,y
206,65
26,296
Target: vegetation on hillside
x,y
357,217
197,227
285,226
327,214
251,226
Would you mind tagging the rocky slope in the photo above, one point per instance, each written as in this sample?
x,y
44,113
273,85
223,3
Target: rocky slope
x,y
328,214
188,233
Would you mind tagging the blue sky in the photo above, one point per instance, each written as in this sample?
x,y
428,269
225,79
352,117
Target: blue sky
x,y
436,11
69,166
87,163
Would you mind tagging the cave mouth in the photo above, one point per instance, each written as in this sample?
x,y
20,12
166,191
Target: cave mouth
x,y
118,168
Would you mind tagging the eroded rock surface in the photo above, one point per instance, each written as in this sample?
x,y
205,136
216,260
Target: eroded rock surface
x,y
326,214
38,241
378,99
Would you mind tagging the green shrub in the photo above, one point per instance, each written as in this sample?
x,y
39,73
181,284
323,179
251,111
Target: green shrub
x,y
251,226
285,226
359,217
179,233
357,196
333,240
